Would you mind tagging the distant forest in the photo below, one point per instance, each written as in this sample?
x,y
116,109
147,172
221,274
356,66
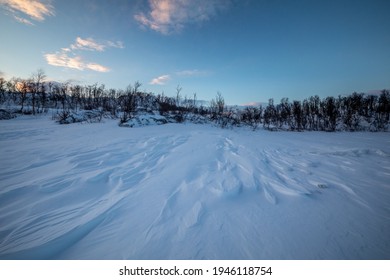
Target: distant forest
x,y
355,112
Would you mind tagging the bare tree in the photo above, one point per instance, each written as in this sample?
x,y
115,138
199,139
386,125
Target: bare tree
x,y
64,95
2,90
178,96
37,84
220,103
217,107
22,87
297,115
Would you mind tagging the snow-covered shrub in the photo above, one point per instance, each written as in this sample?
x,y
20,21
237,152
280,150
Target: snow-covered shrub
x,y
144,119
6,115
68,117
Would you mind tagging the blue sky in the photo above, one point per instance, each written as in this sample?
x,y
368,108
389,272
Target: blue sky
x,y
249,50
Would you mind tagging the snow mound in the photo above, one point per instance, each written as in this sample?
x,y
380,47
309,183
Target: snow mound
x,y
68,117
145,119
154,118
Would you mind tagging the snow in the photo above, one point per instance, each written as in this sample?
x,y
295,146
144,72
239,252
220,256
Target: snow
x,y
145,120
187,191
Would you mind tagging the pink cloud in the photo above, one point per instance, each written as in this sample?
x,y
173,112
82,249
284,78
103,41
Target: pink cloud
x,y
35,9
89,44
170,16
97,67
160,80
62,59
66,57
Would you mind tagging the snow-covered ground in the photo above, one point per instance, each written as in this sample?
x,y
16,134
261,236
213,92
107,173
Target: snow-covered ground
x,y
185,191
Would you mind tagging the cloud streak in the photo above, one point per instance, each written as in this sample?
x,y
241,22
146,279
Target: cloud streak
x,y
193,73
23,20
62,59
67,58
89,44
163,79
36,10
160,80
171,16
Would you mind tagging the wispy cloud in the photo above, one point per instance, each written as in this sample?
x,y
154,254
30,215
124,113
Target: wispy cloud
x,y
193,73
68,58
23,20
89,44
163,79
97,67
117,44
170,16
160,80
36,10
63,59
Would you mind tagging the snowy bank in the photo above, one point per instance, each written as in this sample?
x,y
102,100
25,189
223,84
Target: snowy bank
x,y
185,191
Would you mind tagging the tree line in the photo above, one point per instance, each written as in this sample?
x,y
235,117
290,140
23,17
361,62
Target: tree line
x,y
355,112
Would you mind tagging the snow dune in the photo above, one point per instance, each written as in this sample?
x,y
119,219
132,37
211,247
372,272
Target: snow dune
x,y
185,191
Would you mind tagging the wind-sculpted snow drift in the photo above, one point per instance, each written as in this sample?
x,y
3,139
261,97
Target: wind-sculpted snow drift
x,y
185,191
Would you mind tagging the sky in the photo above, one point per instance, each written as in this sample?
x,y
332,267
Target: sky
x,y
248,50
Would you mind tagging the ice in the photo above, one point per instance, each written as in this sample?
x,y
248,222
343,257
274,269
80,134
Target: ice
x,y
190,191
